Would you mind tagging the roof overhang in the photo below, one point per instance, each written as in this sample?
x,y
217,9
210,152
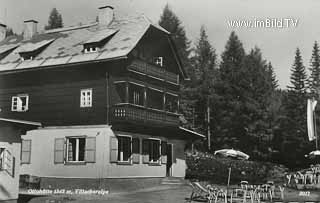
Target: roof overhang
x,y
22,122
193,134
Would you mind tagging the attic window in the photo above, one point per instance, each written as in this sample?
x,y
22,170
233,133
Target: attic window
x,y
158,61
24,58
91,49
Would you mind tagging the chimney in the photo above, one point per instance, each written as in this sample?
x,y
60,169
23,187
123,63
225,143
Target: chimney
x,y
106,15
3,29
30,29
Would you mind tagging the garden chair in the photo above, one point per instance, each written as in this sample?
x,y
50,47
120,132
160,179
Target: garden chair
x,y
201,193
238,195
266,192
220,194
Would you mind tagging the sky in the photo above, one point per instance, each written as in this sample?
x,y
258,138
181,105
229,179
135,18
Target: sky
x,y
278,45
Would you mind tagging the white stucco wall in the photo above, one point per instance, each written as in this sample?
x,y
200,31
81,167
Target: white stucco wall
x,y
42,156
179,161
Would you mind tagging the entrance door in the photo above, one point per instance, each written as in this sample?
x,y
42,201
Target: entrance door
x,y
169,159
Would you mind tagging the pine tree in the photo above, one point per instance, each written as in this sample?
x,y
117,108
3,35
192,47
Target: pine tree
x,y
170,21
314,79
272,77
257,97
204,63
293,126
230,125
55,20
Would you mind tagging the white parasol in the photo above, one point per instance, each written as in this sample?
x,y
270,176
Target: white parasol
x,y
313,154
232,153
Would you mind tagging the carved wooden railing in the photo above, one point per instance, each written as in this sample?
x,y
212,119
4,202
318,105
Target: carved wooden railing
x,y
140,114
154,71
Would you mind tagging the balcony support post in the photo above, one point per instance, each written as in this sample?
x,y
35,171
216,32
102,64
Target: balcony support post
x,y
127,92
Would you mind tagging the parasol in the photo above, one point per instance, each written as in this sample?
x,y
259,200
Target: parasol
x,y
234,154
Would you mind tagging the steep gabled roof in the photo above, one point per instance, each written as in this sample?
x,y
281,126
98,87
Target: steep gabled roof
x,y
65,45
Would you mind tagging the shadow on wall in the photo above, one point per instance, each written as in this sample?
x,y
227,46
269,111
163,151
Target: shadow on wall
x,y
3,191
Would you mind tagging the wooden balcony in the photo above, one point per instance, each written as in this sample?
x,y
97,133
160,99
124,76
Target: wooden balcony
x,y
131,113
154,71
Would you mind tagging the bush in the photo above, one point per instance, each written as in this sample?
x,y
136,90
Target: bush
x,y
206,167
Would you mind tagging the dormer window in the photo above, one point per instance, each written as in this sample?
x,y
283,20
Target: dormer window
x,y
98,40
30,50
158,61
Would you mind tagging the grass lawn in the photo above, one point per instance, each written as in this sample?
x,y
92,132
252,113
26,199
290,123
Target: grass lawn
x,y
169,194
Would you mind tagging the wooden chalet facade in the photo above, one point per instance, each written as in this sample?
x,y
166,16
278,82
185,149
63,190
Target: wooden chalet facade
x,y
107,95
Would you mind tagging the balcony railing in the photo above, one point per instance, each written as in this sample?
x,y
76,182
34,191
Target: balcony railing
x,y
154,71
142,115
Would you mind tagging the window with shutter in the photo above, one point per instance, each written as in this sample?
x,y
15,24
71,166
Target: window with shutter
x,y
26,152
136,150
154,151
124,149
113,149
76,149
20,103
90,155
59,150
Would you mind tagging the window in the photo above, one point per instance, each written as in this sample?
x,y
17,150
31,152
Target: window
x,y
151,151
25,151
154,151
90,50
76,149
86,98
155,99
27,57
124,149
136,97
158,60
172,103
20,103
136,94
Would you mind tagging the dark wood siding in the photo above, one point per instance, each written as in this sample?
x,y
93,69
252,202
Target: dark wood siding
x,y
54,96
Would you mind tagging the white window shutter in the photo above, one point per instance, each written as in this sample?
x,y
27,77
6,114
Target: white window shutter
x,y
145,151
19,104
90,155
136,150
113,149
26,151
164,152
8,163
59,150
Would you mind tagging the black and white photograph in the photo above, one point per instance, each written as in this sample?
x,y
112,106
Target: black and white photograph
x,y
151,101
